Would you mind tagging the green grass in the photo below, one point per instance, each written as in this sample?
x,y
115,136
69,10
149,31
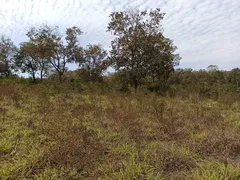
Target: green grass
x,y
60,133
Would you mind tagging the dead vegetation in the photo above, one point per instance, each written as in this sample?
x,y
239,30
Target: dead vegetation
x,y
50,134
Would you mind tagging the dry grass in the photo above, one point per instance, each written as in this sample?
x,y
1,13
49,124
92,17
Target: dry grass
x,y
49,133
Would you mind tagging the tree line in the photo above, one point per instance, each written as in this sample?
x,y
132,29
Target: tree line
x,y
139,49
140,55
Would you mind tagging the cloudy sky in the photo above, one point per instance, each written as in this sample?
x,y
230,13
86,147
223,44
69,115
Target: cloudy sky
x,y
205,31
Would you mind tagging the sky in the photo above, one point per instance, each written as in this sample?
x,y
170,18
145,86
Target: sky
x,y
205,31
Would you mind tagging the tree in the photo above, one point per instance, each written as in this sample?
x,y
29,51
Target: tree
x,y
212,68
40,53
26,60
54,48
234,77
140,47
7,52
31,55
94,62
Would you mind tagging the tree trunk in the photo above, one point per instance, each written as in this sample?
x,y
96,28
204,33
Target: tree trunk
x,y
135,81
33,76
60,74
41,75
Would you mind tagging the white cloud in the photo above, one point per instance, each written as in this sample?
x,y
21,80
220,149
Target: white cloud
x,y
205,31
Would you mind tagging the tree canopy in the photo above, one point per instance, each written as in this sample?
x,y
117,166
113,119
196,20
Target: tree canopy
x,y
54,49
140,48
7,52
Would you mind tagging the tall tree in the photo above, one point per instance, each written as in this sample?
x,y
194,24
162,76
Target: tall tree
x,y
94,62
57,50
41,53
7,52
140,47
26,60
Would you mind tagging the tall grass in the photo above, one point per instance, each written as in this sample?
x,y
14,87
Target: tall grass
x,y
62,132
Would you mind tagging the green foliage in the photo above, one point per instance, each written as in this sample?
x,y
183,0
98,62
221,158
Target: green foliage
x,y
7,52
26,59
209,84
55,49
140,49
94,63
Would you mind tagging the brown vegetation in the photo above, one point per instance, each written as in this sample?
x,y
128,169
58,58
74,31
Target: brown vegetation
x,y
47,133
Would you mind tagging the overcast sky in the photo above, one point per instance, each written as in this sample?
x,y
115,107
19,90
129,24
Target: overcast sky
x,y
205,31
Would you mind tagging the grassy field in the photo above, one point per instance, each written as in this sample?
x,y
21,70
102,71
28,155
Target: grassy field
x,y
56,133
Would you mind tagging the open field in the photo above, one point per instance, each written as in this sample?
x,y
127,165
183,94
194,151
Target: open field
x,y
51,133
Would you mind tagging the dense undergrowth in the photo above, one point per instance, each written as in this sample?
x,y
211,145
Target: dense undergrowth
x,y
57,132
